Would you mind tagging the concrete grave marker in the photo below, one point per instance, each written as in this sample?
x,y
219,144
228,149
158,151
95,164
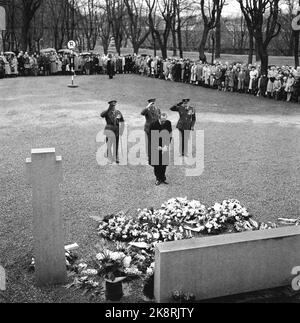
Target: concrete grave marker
x,y
227,265
44,171
2,278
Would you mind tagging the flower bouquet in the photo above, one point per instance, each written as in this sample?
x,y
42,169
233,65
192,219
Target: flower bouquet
x,y
115,267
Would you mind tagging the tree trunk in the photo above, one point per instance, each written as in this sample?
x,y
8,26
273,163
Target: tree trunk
x,y
213,48
263,53
251,47
296,47
164,51
203,43
257,52
136,48
25,32
105,47
154,45
218,39
174,39
179,34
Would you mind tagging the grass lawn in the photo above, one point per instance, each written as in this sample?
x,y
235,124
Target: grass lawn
x,y
252,149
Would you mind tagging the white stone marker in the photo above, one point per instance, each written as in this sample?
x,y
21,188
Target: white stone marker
x,y
226,265
44,171
2,279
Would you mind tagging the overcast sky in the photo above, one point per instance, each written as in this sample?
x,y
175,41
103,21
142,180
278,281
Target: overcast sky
x,y
232,8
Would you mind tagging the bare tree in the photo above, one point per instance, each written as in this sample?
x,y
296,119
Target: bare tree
x,y
211,13
29,8
238,30
136,28
218,34
262,18
11,34
89,22
291,36
104,30
115,10
57,12
160,16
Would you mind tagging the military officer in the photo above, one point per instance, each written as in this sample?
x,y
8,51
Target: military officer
x,y
152,114
185,124
114,128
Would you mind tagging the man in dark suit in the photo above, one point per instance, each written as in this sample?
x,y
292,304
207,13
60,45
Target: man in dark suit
x,y
152,114
110,67
185,124
161,138
114,128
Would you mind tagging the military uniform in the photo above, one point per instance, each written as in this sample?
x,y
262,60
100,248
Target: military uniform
x,y
185,124
152,114
114,128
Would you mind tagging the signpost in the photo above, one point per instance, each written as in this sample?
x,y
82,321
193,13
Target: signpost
x,y
72,46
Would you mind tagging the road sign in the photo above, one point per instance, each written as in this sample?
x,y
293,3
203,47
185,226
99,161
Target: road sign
x,y
296,22
2,18
71,44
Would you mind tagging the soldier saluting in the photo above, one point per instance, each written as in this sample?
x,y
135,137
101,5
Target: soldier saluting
x,y
114,128
186,124
152,114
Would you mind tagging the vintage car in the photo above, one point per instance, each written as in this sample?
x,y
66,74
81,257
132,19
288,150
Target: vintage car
x,y
11,64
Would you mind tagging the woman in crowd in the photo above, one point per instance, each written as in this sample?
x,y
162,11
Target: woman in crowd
x,y
289,87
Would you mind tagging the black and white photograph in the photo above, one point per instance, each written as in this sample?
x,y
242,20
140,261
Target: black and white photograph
x,y
150,154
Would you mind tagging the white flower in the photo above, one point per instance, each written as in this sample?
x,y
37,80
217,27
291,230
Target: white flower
x,y
218,207
117,256
209,225
95,284
90,272
100,256
156,236
127,261
82,266
133,271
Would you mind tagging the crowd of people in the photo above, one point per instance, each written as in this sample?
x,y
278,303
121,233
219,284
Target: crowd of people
x,y
60,63
280,83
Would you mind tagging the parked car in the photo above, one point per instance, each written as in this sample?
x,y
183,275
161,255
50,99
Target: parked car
x,y
13,63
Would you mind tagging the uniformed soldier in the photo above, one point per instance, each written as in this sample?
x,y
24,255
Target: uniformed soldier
x,y
185,124
152,114
114,128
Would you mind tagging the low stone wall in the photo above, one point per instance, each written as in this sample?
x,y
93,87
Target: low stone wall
x,y
226,265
